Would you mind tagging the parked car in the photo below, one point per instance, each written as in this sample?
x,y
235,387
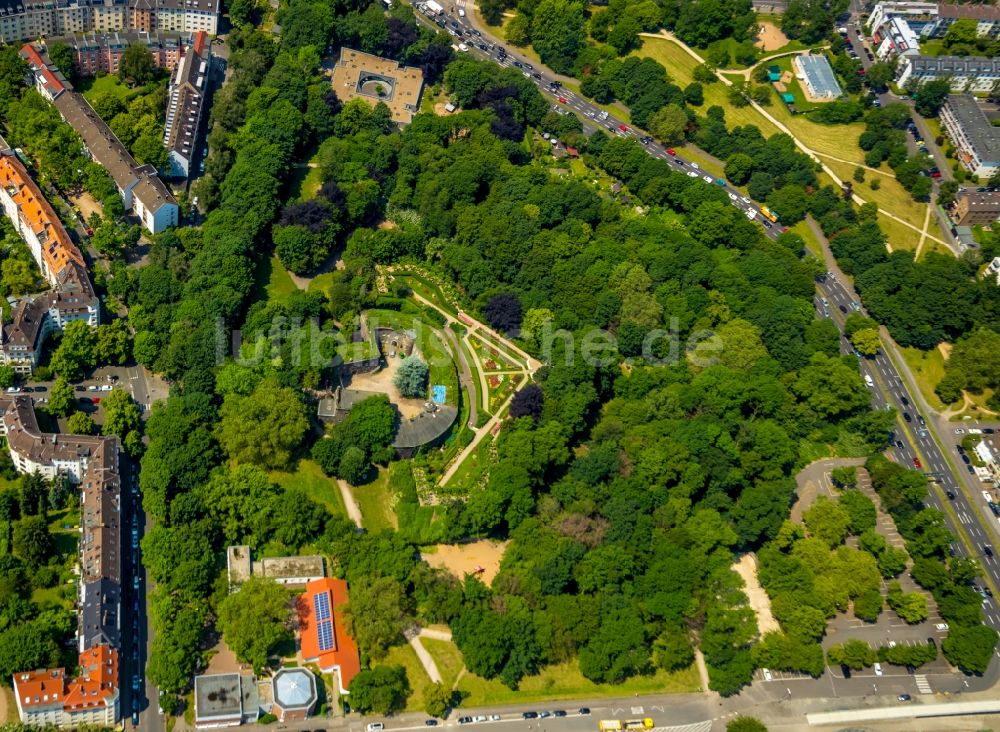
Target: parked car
x,y
903,697
878,669
584,711
430,723
529,715
375,727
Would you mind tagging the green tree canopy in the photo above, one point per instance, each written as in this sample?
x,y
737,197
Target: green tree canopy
x,y
264,428
255,619
381,690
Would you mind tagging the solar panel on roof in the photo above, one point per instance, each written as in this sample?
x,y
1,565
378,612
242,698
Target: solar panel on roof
x,y
321,603
325,632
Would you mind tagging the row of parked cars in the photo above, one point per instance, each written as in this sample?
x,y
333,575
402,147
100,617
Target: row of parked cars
x,y
478,718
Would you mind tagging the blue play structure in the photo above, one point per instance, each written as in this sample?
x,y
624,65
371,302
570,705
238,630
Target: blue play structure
x,y
438,393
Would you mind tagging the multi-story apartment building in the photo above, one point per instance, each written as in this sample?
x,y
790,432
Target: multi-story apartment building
x,y
96,52
976,208
977,142
185,16
966,73
48,696
898,27
987,17
22,20
186,100
72,296
138,185
895,38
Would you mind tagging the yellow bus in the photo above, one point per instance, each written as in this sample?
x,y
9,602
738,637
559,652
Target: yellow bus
x,y
766,212
609,725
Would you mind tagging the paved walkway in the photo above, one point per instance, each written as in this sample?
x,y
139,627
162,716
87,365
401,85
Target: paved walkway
x,y
426,659
799,144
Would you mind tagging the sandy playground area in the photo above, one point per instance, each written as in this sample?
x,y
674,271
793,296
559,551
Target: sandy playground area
x,y
770,37
381,381
463,559
760,603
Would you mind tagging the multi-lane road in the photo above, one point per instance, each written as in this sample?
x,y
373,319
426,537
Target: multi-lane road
x,y
593,117
915,446
914,442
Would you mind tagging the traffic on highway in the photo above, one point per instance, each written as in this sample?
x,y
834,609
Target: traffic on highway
x,y
913,443
470,40
915,447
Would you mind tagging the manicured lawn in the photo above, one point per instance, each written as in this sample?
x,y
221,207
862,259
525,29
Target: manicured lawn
x,y
890,196
406,657
322,282
104,84
279,285
928,369
375,501
812,243
680,66
54,597
310,184
309,477
563,681
566,682
447,657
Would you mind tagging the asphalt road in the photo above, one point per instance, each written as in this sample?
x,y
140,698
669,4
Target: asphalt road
x,y
913,440
593,118
914,446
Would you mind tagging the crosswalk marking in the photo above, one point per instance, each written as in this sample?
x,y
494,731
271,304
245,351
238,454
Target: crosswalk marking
x,y
922,686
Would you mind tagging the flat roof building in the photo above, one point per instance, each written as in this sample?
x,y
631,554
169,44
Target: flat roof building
x,y
977,142
974,208
816,72
225,700
283,570
376,79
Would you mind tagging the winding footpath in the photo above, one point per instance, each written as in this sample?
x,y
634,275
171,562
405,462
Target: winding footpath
x,y
798,143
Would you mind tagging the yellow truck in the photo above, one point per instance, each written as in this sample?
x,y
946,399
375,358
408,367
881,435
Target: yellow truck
x,y
646,723
766,213
616,725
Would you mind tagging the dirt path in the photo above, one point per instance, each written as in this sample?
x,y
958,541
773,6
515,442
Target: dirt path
x,y
353,511
784,128
760,603
699,661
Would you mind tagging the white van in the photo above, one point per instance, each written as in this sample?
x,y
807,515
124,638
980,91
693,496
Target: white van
x,y
461,12
878,669
868,380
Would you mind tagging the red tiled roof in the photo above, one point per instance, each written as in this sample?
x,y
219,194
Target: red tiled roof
x,y
344,653
98,680
199,43
58,250
35,59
